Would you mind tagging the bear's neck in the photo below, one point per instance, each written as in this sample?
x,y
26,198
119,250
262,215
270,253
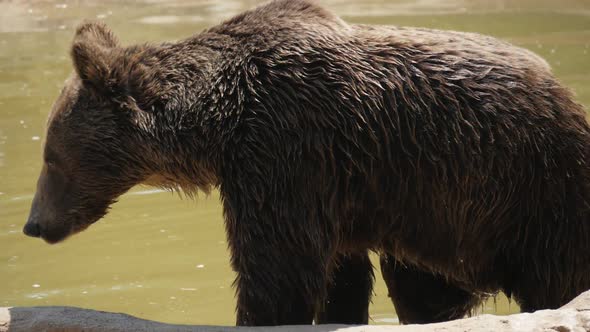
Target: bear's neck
x,y
193,112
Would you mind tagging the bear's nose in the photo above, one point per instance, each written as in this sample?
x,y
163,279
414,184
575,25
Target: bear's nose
x,y
32,229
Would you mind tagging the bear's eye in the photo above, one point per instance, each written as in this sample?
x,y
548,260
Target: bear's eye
x,y
50,158
50,161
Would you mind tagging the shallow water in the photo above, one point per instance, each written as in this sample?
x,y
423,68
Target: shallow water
x,y
155,255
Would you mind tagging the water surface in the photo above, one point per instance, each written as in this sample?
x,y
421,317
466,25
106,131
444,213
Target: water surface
x,y
155,255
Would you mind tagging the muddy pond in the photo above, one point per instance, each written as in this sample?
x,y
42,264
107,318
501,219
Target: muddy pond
x,y
157,255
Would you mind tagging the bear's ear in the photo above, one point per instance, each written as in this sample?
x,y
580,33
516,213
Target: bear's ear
x,y
92,53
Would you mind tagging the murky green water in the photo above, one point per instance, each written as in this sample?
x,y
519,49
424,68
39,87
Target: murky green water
x,y
157,256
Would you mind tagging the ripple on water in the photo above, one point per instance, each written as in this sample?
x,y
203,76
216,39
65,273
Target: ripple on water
x,y
171,19
43,295
188,289
22,197
147,192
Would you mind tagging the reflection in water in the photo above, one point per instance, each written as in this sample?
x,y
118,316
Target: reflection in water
x,y
158,256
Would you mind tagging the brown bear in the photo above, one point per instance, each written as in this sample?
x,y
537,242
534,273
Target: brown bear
x,y
459,158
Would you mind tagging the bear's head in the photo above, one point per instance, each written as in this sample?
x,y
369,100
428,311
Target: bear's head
x,y
93,148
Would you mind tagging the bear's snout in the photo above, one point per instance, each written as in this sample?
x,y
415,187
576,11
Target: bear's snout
x,y
32,228
39,228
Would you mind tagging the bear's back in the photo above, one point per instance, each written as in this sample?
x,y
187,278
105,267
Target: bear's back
x,y
281,20
464,45
304,22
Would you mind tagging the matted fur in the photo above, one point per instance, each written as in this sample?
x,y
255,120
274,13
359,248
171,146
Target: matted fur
x,y
456,156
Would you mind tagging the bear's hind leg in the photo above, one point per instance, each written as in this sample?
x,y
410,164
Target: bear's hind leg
x,y
420,297
349,291
550,286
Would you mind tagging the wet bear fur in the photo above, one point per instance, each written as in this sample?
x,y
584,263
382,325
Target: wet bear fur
x,y
459,158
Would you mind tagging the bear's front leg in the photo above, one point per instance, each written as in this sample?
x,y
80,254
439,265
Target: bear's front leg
x,y
275,284
281,264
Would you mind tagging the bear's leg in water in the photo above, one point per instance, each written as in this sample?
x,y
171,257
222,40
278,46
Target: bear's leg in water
x,y
280,254
421,297
349,291
547,283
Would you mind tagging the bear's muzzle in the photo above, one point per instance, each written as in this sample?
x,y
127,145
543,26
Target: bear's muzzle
x,y
32,229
